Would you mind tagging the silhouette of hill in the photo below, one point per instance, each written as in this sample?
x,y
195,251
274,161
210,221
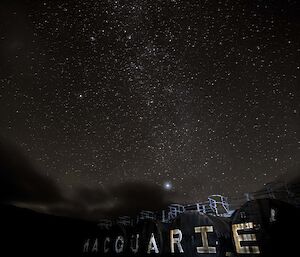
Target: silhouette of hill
x,y
30,233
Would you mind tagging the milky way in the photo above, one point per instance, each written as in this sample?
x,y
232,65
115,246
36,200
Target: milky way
x,y
199,94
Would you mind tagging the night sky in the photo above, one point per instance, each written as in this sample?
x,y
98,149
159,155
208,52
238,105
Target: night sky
x,y
198,97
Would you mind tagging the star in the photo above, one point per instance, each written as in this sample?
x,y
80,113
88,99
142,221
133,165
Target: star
x,y
104,91
167,185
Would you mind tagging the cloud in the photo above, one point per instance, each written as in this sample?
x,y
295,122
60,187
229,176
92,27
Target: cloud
x,y
20,181
124,199
23,185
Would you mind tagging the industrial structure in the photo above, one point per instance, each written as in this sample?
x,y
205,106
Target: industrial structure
x,y
216,205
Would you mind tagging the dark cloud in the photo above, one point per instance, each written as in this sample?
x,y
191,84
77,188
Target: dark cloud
x,y
140,196
288,187
285,188
123,199
22,184
20,181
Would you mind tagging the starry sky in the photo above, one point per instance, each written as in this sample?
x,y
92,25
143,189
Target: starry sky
x,y
198,97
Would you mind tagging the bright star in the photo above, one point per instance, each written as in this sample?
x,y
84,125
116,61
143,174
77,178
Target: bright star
x,y
167,185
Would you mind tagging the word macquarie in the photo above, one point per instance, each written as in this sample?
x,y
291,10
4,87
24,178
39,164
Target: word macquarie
x,y
240,233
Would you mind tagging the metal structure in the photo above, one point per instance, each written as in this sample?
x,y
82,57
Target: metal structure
x,y
105,223
124,220
216,205
279,190
219,205
145,215
171,213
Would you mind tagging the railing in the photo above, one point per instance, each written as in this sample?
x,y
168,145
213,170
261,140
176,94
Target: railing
x,y
105,223
217,205
125,220
145,215
171,213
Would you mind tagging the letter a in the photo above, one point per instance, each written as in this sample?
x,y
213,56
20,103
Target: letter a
x,y
152,245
